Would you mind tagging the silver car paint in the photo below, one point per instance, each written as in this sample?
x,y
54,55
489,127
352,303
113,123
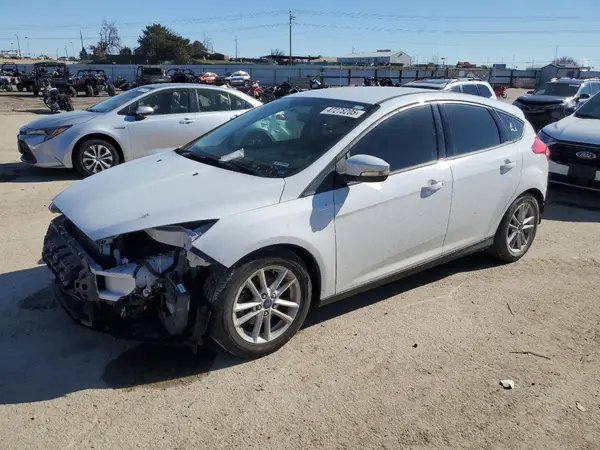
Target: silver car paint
x,y
134,137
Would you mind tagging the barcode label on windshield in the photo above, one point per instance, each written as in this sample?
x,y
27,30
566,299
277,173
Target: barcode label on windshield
x,y
344,112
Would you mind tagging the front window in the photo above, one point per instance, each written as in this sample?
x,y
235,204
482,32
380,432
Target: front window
x,y
590,109
118,101
280,138
152,71
239,74
557,89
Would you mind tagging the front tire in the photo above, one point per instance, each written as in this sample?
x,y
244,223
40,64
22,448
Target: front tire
x,y
110,90
517,229
259,305
89,91
95,155
71,91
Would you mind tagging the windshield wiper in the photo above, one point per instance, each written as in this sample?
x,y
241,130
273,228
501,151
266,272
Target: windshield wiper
x,y
234,165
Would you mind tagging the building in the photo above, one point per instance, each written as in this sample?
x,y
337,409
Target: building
x,y
378,58
562,70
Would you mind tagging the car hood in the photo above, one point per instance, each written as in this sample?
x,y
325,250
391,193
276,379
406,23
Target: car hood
x,y
61,120
162,189
541,99
574,129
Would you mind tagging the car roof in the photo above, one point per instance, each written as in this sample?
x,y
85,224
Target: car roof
x,y
157,86
370,95
567,81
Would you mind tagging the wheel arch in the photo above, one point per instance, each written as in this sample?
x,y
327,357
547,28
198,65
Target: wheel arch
x,y
103,136
309,260
538,196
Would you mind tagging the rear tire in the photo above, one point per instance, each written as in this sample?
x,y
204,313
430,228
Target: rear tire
x,y
224,290
110,90
517,230
71,91
89,91
9,88
20,87
95,149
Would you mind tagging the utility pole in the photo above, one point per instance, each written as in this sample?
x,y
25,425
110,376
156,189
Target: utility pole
x,y
19,46
73,48
236,54
291,22
66,52
56,54
81,37
556,54
28,51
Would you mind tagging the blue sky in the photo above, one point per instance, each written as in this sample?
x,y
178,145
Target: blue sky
x,y
466,30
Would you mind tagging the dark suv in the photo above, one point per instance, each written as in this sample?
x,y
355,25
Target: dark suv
x,y
556,99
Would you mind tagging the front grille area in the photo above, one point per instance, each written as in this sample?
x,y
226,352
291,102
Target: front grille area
x,y
26,152
566,153
564,179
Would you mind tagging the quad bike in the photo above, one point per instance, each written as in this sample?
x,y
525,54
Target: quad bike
x,y
54,99
122,84
58,75
93,81
10,73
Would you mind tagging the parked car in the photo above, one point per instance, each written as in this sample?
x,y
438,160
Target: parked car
x,y
151,75
556,99
209,78
473,86
240,78
305,200
128,126
575,147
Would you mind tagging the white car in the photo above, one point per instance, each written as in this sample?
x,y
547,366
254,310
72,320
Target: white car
x,y
130,125
240,78
305,200
473,86
574,144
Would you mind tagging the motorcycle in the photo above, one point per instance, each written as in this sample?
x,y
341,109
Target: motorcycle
x,y
500,91
315,83
54,100
256,91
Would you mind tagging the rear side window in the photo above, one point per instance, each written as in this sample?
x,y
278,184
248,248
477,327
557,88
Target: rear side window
x,y
514,127
585,90
470,89
484,91
455,88
405,140
468,129
595,87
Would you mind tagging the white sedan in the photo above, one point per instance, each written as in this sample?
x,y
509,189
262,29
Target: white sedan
x,y
305,200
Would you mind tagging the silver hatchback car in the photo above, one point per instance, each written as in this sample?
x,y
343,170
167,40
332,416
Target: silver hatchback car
x,y
130,125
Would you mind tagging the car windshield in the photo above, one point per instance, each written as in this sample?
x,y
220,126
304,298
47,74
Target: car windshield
x,y
152,71
119,100
590,109
557,89
279,139
239,74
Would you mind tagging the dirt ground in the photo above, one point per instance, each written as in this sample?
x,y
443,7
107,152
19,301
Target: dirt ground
x,y
415,364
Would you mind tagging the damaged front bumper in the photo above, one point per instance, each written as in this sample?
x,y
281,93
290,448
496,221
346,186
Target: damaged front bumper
x,y
105,300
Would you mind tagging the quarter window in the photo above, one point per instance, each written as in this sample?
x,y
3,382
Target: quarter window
x,y
514,127
585,90
167,101
484,91
469,129
405,140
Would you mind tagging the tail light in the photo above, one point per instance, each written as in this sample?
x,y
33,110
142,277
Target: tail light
x,y
539,148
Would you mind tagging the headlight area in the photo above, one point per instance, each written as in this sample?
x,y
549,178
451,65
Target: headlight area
x,y
142,284
48,133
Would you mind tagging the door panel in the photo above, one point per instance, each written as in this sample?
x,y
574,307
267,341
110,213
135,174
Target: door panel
x,y
383,228
486,174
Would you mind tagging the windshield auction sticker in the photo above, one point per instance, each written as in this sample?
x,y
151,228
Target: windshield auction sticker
x,y
344,112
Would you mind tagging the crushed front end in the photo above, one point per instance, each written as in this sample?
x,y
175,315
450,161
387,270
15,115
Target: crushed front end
x,y
140,285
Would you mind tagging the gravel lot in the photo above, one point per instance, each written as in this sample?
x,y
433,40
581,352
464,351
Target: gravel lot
x,y
415,364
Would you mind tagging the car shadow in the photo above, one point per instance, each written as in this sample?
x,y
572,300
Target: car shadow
x,y
22,173
568,204
471,263
45,355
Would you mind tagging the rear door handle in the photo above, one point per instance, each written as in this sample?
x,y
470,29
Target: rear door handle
x,y
508,165
233,117
432,186
186,121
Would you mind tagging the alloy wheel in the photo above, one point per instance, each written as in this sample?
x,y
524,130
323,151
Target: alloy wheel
x,y
520,228
97,158
266,304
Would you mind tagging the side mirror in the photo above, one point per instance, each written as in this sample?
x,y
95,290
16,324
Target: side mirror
x,y
144,111
367,168
584,96
530,92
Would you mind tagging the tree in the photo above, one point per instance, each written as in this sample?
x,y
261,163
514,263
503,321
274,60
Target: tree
x,y
126,51
109,40
564,60
83,54
277,52
198,50
159,43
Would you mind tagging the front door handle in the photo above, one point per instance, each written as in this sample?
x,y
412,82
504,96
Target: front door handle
x,y
186,121
508,165
431,187
233,117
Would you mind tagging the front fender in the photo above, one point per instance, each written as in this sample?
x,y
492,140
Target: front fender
x,y
306,222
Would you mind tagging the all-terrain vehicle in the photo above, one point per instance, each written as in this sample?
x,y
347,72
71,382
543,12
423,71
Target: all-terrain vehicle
x,y
13,76
182,76
57,73
151,75
92,81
